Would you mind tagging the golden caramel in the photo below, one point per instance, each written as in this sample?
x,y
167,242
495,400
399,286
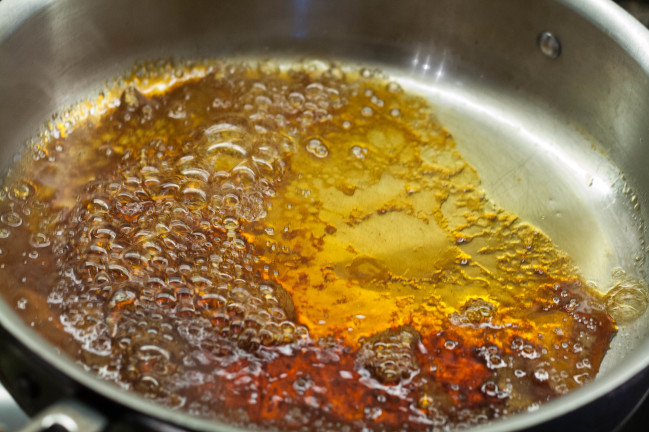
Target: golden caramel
x,y
292,247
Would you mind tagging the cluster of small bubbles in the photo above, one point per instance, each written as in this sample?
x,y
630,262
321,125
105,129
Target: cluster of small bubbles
x,y
490,388
88,328
389,355
359,152
317,148
524,348
306,101
378,102
628,299
159,244
492,357
473,312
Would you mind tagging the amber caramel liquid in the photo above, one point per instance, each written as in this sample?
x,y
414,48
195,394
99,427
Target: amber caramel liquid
x,y
298,247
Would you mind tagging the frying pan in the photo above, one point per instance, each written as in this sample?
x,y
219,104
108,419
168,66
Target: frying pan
x,y
548,100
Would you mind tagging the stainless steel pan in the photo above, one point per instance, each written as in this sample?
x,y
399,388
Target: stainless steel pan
x,y
549,100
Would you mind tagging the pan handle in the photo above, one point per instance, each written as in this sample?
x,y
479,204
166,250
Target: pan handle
x,y
69,416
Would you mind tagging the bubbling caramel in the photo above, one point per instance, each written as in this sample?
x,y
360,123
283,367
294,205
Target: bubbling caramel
x,y
295,248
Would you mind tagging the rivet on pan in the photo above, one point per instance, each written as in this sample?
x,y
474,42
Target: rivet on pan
x,y
549,45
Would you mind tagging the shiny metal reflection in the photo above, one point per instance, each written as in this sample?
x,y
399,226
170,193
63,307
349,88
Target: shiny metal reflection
x,y
11,416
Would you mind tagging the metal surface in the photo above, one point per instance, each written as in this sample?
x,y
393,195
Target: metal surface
x,y
69,416
11,416
563,142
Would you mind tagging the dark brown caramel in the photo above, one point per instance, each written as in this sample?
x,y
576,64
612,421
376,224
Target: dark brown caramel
x,y
293,248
